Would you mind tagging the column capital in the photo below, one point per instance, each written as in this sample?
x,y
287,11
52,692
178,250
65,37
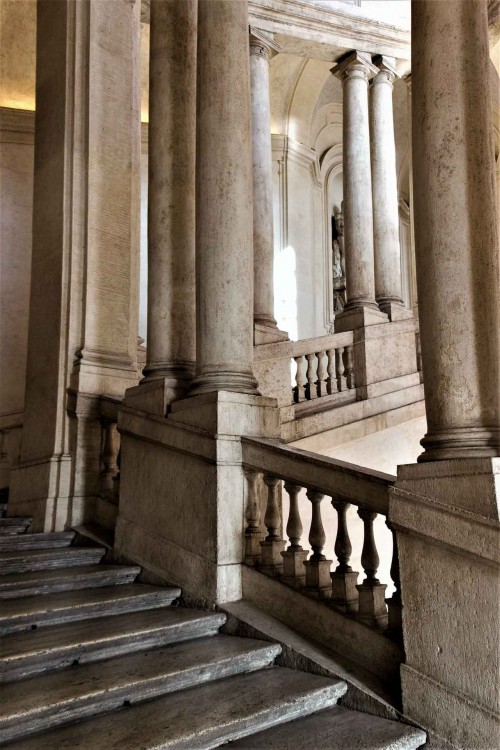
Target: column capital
x,y
355,65
262,44
387,72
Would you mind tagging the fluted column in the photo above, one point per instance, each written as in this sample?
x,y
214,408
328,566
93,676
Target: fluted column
x,y
455,226
355,70
224,226
171,202
385,193
261,50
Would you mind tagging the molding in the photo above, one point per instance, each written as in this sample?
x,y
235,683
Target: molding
x,y
17,126
263,44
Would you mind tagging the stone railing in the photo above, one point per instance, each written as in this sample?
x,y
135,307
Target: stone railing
x,y
301,371
109,488
307,478
324,366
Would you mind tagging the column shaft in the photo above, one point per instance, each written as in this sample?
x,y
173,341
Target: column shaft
x,y
224,227
171,201
263,236
455,227
355,71
385,192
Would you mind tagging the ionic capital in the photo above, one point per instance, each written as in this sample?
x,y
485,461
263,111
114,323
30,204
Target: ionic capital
x,y
387,72
355,65
262,44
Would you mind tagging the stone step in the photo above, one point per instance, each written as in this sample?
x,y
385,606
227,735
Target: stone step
x,y
201,717
31,612
336,729
74,694
65,579
36,541
38,651
24,561
9,526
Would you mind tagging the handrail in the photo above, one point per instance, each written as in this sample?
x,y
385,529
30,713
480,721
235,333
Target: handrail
x,y
335,478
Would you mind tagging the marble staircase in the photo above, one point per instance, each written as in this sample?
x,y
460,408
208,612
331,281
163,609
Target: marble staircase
x,y
90,658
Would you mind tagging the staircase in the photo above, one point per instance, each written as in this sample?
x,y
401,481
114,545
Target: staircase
x,y
91,659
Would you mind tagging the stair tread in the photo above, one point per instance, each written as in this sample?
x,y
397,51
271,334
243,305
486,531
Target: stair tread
x,y
50,575
55,539
101,687
81,635
338,729
200,717
76,603
10,559
15,521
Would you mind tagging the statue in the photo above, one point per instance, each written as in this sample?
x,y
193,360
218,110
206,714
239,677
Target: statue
x,y
338,264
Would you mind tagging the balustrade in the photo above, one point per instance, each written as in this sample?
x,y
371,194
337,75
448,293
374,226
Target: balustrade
x,y
308,477
110,450
324,367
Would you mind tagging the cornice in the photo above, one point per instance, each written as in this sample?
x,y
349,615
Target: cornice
x,y
17,125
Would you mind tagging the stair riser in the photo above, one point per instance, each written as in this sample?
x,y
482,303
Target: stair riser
x,y
11,530
23,667
50,562
77,614
18,727
91,581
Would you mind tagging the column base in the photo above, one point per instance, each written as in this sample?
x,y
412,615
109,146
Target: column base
x,y
395,309
344,591
371,607
268,333
224,380
461,442
159,388
358,317
271,561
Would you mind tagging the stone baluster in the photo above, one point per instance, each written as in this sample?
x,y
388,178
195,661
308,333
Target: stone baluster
x,y
394,604
272,546
349,367
331,382
253,533
371,609
344,579
295,556
318,580
321,372
300,379
311,389
341,379
109,457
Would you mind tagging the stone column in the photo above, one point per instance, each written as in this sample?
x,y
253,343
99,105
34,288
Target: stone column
x,y
385,193
224,226
261,50
171,196
455,228
355,70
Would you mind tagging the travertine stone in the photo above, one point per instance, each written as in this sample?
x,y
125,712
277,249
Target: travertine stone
x,y
446,518
456,229
385,192
355,70
85,248
224,221
261,49
171,195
